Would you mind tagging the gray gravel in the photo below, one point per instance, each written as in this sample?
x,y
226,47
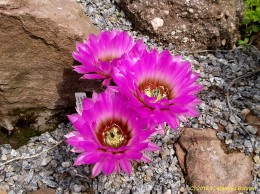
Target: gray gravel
x,y
54,169
217,69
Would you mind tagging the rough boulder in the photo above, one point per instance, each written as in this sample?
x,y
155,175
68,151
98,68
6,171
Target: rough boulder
x,y
37,82
188,25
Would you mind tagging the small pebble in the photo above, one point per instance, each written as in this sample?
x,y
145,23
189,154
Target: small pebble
x,y
257,159
182,189
66,164
13,152
169,191
251,129
3,157
77,188
46,161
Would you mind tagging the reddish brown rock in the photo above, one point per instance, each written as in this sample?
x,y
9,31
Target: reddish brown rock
x,y
37,81
188,25
43,191
2,192
207,167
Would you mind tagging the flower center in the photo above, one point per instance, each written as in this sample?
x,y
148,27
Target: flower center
x,y
108,58
113,136
113,132
157,88
159,92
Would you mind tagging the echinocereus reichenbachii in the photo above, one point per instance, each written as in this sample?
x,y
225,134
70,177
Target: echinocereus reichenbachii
x,y
162,88
144,90
99,53
109,135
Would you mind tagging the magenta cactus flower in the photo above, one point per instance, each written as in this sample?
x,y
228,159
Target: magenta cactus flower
x,y
160,87
109,135
99,54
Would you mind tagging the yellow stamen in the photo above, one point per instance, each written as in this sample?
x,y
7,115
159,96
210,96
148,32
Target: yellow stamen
x,y
113,137
108,58
159,92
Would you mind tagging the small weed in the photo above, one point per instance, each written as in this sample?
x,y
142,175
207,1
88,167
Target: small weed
x,y
251,21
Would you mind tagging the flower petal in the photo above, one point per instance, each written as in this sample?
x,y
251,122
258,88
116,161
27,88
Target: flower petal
x,y
80,159
126,165
93,157
108,166
134,155
152,147
97,169
146,159
93,76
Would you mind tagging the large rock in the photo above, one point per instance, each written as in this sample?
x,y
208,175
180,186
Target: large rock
x,y
43,191
208,168
36,77
3,192
188,25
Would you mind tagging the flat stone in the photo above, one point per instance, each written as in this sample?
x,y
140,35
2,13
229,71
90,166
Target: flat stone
x,y
3,192
206,164
43,191
4,187
37,80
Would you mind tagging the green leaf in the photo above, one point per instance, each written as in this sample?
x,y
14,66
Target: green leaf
x,y
251,20
245,20
255,28
241,42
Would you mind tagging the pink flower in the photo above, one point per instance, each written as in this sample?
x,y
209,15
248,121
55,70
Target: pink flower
x,y
160,87
98,55
109,135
